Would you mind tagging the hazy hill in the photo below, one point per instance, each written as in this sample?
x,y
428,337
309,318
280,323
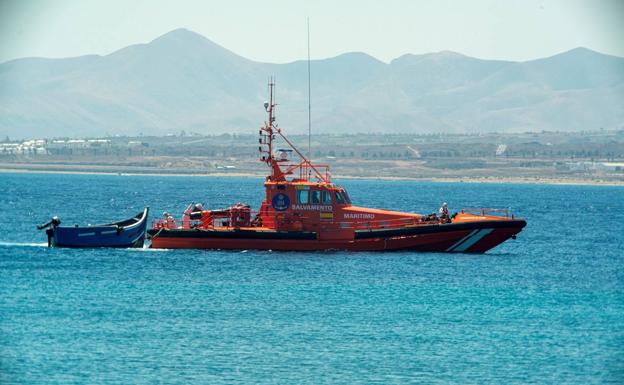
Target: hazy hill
x,y
183,81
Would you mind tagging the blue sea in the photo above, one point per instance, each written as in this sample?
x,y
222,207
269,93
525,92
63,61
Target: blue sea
x,y
546,308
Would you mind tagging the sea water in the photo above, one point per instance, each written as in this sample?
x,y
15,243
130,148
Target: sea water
x,y
547,308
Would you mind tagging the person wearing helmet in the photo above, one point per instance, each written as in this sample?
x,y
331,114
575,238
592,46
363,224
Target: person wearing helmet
x,y
169,220
444,213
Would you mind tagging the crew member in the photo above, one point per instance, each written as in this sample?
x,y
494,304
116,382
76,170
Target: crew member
x,y
444,213
169,220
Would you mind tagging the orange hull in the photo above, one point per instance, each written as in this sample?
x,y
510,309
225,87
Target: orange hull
x,y
473,237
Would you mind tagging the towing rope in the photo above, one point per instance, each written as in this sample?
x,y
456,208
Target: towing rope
x,y
157,234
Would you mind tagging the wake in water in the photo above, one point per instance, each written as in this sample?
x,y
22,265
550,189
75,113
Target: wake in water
x,y
24,244
45,244
146,247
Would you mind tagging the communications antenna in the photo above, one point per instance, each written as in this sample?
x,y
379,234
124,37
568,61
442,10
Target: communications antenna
x,y
309,98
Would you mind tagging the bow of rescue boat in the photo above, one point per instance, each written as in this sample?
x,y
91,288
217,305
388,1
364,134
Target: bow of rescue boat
x,y
484,232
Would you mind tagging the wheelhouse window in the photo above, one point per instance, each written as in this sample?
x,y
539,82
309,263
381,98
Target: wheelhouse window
x,y
315,197
303,197
346,197
342,197
339,198
326,197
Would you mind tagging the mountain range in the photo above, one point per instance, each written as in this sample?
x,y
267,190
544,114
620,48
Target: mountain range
x,y
184,81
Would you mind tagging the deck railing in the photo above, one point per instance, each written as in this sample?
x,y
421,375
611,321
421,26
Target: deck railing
x,y
378,224
486,211
273,222
306,169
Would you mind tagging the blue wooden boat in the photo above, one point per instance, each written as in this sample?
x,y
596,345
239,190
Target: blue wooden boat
x,y
126,233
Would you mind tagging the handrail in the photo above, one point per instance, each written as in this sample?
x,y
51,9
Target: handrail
x,y
304,166
271,222
305,160
375,224
286,220
171,222
484,210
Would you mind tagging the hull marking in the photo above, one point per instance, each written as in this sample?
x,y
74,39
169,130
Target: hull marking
x,y
472,240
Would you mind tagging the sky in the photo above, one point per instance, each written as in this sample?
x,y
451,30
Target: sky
x,y
275,30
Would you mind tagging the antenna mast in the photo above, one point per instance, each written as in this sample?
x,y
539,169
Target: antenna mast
x,y
267,135
309,97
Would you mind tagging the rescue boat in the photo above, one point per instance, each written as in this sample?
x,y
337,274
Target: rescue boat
x,y
304,210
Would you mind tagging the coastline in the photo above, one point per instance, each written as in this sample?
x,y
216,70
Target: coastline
x,y
178,173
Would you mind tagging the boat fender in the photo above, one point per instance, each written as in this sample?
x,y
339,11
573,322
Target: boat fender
x,y
119,229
